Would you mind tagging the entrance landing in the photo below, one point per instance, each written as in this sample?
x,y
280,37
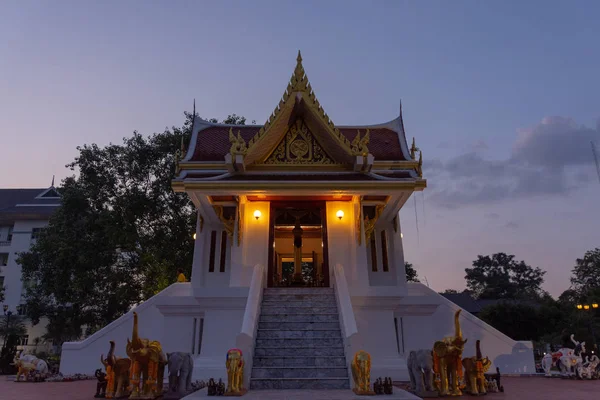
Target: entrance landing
x,y
399,394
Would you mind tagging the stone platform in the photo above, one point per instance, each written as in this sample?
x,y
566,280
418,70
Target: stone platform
x,y
308,394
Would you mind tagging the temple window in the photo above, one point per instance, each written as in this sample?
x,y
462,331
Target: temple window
x,y
373,248
213,245
384,252
223,251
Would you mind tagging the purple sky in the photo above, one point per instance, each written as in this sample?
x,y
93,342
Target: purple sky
x,y
502,96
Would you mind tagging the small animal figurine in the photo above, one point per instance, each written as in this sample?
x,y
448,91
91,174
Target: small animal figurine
x,y
388,387
378,386
101,385
220,388
212,387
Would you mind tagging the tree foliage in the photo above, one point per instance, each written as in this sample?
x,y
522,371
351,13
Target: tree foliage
x,y
586,273
411,273
11,328
501,277
118,238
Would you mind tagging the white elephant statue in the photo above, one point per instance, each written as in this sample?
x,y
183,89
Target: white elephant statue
x,y
181,367
420,369
41,367
589,369
567,360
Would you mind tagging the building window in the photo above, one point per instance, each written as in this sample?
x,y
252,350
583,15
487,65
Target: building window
x,y
373,253
22,309
3,259
213,245
35,232
23,340
384,252
223,251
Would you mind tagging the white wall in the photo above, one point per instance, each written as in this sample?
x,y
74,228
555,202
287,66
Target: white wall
x,y
420,332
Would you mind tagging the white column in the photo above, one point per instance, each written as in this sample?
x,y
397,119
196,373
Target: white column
x,y
200,244
397,253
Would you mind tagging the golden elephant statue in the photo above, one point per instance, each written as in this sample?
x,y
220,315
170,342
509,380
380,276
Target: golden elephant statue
x,y
24,367
235,371
117,373
148,365
361,373
447,357
475,368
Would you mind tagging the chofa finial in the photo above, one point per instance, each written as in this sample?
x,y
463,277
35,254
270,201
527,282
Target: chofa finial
x,y
299,58
52,184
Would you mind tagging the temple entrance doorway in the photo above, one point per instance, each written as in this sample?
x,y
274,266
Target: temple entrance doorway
x,y
298,243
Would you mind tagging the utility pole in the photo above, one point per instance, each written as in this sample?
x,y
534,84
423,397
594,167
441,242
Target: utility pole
x,y
596,159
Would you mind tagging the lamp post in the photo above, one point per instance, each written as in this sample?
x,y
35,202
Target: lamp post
x,y
8,315
587,307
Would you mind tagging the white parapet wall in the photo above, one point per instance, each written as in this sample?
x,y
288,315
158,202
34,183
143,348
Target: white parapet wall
x,y
421,331
84,356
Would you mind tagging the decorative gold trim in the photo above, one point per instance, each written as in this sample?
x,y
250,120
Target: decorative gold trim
x,y
370,223
413,149
228,223
420,166
359,224
236,187
299,84
359,146
238,145
239,224
299,147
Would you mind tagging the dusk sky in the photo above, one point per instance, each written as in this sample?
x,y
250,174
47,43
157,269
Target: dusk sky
x,y
503,98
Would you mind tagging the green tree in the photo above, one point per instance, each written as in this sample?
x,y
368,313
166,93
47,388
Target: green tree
x,y
118,238
501,277
450,291
586,273
411,273
11,328
517,321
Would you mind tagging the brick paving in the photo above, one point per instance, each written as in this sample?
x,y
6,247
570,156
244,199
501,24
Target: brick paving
x,y
538,388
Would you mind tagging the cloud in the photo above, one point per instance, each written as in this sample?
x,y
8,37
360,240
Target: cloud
x,y
492,215
511,225
479,145
546,160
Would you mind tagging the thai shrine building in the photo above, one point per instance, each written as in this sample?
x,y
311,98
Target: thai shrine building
x,y
298,256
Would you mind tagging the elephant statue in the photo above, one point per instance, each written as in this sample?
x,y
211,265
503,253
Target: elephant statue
x,y
181,366
24,367
447,357
148,365
117,373
235,371
361,373
420,370
41,367
475,368
589,369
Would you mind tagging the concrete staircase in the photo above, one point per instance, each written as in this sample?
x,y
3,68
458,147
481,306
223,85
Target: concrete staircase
x,y
299,344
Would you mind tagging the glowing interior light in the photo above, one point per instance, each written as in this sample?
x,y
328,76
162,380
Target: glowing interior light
x,y
340,214
257,214
194,236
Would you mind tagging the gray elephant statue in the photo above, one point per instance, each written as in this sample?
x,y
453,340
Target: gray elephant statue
x,y
181,366
420,369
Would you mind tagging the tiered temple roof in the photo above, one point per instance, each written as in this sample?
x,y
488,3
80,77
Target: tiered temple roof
x,y
299,143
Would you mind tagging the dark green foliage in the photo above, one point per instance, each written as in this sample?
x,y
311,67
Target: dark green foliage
x,y
501,277
11,327
411,273
118,239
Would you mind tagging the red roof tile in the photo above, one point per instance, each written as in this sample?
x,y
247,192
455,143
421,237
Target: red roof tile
x,y
212,143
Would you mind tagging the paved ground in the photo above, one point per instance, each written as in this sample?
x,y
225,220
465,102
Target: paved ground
x,y
515,389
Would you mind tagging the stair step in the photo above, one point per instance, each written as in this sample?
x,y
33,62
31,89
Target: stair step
x,y
303,318
298,291
298,342
300,383
325,351
279,309
299,372
296,297
299,361
298,334
299,326
300,303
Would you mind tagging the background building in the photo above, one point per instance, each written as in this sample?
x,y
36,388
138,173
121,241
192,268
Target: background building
x,y
24,213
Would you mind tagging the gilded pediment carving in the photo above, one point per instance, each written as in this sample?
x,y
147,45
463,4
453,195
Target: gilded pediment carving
x,y
299,146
